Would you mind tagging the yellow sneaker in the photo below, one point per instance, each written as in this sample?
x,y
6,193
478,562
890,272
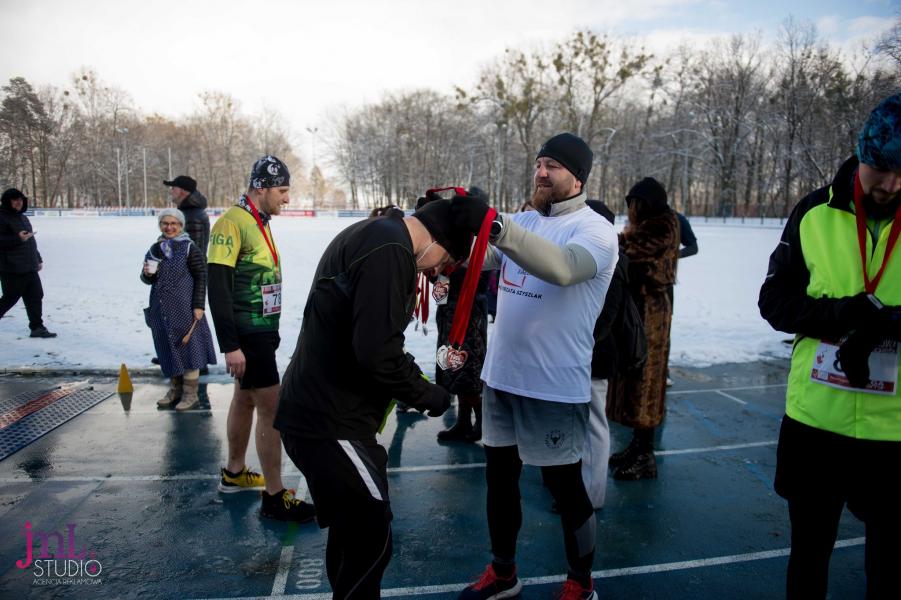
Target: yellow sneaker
x,y
245,481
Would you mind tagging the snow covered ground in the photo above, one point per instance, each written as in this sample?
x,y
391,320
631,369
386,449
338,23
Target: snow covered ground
x,y
93,298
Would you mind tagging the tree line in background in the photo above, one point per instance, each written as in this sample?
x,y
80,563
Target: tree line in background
x,y
87,146
730,128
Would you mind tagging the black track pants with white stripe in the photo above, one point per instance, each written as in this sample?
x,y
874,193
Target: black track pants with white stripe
x,y
349,484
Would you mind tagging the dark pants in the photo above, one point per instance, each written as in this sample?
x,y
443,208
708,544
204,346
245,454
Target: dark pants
x,y
503,469
819,472
349,484
26,286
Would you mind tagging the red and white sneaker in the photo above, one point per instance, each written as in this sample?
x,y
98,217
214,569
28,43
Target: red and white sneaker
x,y
573,590
492,587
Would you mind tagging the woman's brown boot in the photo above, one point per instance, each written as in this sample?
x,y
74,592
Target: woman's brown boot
x,y
189,398
174,393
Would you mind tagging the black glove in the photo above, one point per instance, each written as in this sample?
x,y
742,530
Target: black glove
x,y
857,311
469,211
853,355
436,400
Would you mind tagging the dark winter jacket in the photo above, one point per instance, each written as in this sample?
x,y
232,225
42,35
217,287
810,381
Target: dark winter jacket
x,y
17,256
604,357
197,222
350,361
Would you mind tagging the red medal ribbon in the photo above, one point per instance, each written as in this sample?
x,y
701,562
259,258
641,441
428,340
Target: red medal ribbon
x,y
422,301
860,216
256,215
470,282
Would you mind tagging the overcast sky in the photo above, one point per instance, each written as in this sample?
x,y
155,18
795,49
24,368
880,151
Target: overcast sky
x,y
306,58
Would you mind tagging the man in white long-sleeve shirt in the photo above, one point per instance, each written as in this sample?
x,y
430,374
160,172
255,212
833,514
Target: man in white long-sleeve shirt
x,y
555,267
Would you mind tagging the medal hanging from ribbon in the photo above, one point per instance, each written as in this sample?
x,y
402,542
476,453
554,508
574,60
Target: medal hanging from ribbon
x,y
421,309
256,216
452,357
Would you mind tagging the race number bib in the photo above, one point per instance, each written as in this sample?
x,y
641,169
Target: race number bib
x,y
441,289
272,299
883,363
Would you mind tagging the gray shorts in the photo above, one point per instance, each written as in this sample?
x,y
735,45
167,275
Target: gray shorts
x,y
546,433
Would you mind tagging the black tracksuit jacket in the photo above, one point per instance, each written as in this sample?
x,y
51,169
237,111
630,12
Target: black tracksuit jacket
x,y
350,361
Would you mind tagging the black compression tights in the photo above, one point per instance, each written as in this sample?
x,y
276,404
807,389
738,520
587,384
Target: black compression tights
x,y
502,472
576,513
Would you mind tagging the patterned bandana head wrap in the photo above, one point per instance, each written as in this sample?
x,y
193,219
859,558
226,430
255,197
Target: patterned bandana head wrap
x,y
269,172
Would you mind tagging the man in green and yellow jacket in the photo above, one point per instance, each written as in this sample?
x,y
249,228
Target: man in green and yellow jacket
x,y
834,281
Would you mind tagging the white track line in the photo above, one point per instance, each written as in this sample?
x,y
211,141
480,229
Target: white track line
x,y
284,566
602,574
715,448
393,470
729,389
730,397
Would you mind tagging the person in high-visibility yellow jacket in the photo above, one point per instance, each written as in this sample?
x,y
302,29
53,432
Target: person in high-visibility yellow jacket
x,y
834,281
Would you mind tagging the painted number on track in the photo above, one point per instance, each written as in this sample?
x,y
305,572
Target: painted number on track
x,y
309,577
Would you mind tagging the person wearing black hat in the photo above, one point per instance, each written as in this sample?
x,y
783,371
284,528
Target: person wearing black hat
x,y
20,262
188,199
245,278
349,363
834,281
637,399
556,263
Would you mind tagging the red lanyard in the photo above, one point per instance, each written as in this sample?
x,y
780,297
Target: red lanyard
x,y
470,282
256,215
870,286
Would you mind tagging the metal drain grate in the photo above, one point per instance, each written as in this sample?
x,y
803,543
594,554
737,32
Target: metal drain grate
x,y
29,428
8,404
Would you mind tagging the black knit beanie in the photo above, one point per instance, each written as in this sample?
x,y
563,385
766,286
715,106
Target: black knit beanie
x,y
653,196
437,217
572,152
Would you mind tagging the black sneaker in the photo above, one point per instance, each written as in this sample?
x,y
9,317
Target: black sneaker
x,y
41,332
285,507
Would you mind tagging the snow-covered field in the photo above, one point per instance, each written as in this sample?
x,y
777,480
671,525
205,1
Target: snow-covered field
x,y
93,298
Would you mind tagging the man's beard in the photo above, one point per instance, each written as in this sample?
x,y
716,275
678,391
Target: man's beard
x,y
881,210
543,197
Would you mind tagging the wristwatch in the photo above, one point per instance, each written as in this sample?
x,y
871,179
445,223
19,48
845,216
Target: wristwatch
x,y
497,228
